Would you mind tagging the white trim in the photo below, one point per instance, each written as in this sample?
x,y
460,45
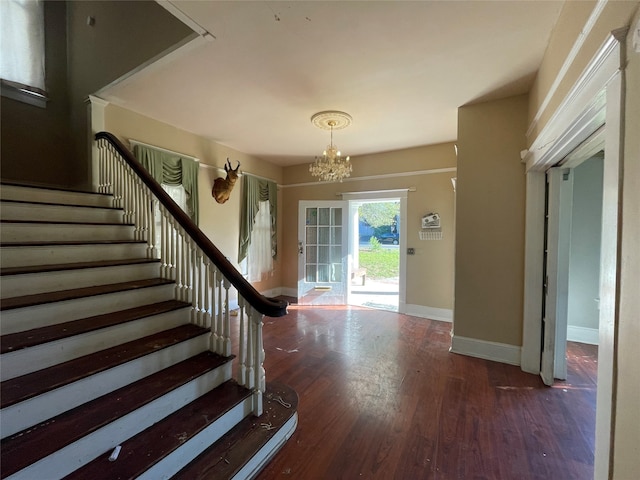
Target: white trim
x,y
432,313
586,110
186,19
133,143
374,194
378,177
583,335
289,292
497,352
583,109
586,30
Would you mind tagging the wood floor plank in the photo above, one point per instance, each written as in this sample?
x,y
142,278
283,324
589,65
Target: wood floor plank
x,y
381,397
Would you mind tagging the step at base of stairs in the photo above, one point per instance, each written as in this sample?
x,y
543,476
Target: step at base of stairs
x,y
78,435
248,447
157,452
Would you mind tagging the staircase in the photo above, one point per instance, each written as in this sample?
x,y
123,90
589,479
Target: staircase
x,y
104,373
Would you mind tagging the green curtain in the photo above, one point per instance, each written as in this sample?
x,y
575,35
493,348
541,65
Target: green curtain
x,y
254,191
172,169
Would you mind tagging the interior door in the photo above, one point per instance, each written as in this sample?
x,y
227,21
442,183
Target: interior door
x,y
322,252
556,288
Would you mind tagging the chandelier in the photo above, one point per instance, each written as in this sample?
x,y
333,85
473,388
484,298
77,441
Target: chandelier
x,y
331,166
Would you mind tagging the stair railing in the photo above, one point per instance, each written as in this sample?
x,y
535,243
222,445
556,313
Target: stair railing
x,y
203,275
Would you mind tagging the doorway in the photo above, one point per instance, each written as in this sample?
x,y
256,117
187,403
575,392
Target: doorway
x,y
375,263
573,233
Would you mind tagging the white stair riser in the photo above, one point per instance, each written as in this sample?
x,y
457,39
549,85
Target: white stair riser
x,y
27,318
179,458
33,232
81,452
38,409
30,194
27,360
59,213
33,283
54,254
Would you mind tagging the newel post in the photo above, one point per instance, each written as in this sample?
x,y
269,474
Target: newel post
x,y
259,371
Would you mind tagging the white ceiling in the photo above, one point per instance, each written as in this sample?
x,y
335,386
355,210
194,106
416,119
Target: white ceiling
x,y
401,69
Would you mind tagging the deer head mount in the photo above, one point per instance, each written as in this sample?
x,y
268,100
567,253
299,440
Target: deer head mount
x,y
222,186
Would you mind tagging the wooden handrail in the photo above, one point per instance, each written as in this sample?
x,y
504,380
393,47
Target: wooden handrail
x,y
270,307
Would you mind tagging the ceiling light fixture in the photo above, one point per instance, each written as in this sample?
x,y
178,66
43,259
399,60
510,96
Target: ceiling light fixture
x,y
331,166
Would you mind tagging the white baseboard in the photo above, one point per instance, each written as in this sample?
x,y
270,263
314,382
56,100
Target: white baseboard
x,y
498,352
583,334
432,313
278,291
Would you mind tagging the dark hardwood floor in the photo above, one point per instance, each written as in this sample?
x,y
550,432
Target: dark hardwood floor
x,y
381,397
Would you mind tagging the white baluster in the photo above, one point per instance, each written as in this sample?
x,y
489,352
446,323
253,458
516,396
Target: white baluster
x,y
206,291
219,312
250,354
224,327
201,277
242,343
194,284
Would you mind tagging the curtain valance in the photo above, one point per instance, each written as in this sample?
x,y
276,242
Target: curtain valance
x,y
172,169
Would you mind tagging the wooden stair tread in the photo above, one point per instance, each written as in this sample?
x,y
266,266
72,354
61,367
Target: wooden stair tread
x,y
227,456
74,266
145,449
21,388
17,341
75,293
25,448
71,243
57,222
52,188
57,204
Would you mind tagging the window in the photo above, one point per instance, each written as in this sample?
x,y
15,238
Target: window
x,y
258,227
260,255
22,50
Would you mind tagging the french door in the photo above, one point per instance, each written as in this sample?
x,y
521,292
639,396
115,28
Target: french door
x,y
322,252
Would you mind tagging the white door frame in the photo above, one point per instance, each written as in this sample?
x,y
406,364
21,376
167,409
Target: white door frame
x,y
385,195
597,98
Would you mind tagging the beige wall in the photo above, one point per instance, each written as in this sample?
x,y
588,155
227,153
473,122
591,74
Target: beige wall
x,y
429,277
220,222
626,459
489,259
